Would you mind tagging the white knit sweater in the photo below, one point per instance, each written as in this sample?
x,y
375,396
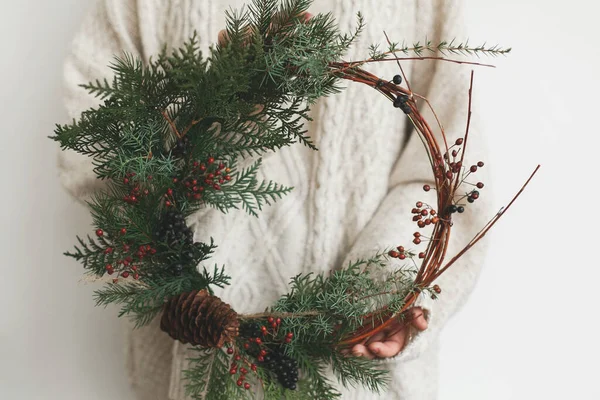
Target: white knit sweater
x,y
351,198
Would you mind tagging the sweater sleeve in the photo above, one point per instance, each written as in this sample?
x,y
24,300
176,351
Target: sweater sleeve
x,y
110,29
446,86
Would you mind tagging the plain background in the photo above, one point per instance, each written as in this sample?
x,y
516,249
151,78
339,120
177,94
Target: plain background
x,y
530,329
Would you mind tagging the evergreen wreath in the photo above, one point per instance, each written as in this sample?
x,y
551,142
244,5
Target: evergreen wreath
x,y
168,139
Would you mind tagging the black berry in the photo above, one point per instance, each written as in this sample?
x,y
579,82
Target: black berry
x,y
397,79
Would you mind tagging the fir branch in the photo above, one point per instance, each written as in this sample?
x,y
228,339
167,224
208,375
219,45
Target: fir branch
x,y
352,371
208,376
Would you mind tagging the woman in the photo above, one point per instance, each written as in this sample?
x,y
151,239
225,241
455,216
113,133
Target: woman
x,y
351,198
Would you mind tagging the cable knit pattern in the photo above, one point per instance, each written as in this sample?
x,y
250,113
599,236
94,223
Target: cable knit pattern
x,y
352,197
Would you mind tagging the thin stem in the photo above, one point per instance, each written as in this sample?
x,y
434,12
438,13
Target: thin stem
x,y
281,315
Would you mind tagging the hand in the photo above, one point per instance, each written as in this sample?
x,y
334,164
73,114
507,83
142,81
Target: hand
x,y
392,340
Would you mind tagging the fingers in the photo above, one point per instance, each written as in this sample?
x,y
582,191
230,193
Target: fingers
x,y
418,319
390,347
360,350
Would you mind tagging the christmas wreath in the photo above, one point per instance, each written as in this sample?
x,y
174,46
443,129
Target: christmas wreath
x,y
170,137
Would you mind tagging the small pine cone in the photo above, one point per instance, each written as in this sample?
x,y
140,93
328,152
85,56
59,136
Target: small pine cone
x,y
200,319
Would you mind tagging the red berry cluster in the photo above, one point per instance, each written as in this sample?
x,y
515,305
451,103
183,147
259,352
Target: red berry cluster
x,y
233,369
135,192
424,215
204,175
126,257
437,291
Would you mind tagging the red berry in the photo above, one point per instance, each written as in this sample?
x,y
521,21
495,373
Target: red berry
x,y
480,164
437,289
415,211
243,370
246,346
210,176
239,382
175,180
108,250
274,325
393,253
459,141
421,255
237,357
168,203
211,160
221,180
109,266
400,249
227,177
123,231
216,186
416,218
270,320
136,276
278,321
260,358
480,185
246,386
258,340
253,367
473,168
424,212
116,280
427,222
288,340
421,224
126,181
125,274
99,232
416,234
449,174
202,167
170,192
230,350
402,256
416,240
263,353
290,335
233,371
221,166
419,204
197,196
426,188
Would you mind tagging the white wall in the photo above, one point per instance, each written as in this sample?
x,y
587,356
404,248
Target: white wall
x,y
530,329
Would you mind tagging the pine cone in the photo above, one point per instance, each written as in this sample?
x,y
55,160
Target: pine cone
x,y
200,319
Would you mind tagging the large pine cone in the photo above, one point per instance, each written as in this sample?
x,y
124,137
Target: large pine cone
x,y
200,319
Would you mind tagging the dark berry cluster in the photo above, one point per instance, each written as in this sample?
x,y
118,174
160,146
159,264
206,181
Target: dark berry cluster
x,y
271,357
401,102
173,230
284,367
181,147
